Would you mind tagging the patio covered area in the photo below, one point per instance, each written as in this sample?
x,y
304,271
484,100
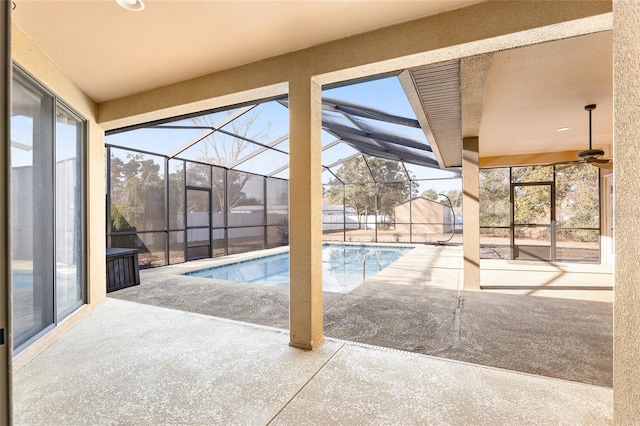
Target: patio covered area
x,y
514,324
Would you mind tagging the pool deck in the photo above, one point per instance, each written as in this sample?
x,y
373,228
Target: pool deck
x,y
408,346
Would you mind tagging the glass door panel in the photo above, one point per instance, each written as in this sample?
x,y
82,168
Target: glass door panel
x,y
31,206
69,132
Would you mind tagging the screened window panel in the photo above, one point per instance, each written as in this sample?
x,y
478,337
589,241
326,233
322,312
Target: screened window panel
x,y
428,173
532,174
428,219
283,146
198,175
392,198
198,237
337,152
264,163
361,236
335,218
137,192
218,242
218,196
176,194
176,247
242,240
495,243
328,178
214,119
197,252
327,138
198,203
153,139
277,202
219,149
361,197
277,236
246,199
284,174
386,170
578,197
578,245
354,171
495,205
262,124
150,246
532,205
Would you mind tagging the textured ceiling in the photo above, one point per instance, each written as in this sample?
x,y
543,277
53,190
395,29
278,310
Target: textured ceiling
x,y
535,90
111,52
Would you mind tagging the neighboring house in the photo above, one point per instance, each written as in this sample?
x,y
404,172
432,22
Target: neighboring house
x,y
427,217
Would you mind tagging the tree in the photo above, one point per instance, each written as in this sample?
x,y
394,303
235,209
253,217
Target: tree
x,y
495,209
577,201
430,194
361,191
137,194
455,195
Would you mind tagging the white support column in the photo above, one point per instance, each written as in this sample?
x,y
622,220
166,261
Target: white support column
x,y
305,213
5,287
626,128
471,213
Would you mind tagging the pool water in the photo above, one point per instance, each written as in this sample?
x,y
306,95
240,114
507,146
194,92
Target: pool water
x,y
341,267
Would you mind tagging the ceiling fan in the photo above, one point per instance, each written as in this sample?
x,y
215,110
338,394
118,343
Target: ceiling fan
x,y
591,156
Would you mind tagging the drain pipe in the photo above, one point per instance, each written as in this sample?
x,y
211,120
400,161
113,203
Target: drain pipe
x,y
453,215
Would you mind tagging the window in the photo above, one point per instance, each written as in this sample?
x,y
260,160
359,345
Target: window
x,y
47,209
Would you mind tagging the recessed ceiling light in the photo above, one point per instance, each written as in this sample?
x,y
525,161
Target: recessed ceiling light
x,y
562,129
135,5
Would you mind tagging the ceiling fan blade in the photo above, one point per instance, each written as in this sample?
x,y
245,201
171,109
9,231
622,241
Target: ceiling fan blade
x,y
594,160
564,166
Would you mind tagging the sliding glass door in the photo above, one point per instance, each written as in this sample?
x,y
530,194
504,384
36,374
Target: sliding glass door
x,y
46,209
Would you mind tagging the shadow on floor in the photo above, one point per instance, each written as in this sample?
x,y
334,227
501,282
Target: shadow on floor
x,y
560,338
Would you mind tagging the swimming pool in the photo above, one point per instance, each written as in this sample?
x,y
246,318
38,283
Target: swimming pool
x,y
341,267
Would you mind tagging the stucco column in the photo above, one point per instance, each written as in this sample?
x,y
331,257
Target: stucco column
x,y
471,213
305,213
626,148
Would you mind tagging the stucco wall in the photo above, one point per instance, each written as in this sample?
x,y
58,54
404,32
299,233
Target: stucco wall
x,y
31,58
626,84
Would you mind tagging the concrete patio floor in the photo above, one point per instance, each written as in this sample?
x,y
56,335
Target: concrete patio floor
x,y
417,305
136,364
408,346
